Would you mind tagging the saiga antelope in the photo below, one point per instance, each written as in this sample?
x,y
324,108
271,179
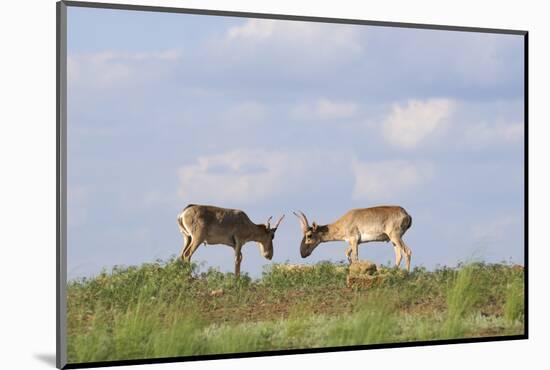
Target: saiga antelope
x,y
214,225
361,225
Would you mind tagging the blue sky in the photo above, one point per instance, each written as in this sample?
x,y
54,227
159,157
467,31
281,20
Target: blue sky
x,y
271,116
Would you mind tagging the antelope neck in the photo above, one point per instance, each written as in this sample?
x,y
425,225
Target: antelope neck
x,y
258,233
328,233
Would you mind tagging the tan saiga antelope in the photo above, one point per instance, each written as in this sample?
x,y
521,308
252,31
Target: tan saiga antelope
x,y
361,225
214,225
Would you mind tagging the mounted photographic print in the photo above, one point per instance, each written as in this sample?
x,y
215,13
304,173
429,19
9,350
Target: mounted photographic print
x,y
237,184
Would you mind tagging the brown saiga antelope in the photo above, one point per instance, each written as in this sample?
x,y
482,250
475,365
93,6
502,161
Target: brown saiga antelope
x,y
361,225
214,225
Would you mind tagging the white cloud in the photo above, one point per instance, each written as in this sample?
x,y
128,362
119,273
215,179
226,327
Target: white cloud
x,y
258,29
383,181
109,68
304,33
407,126
289,47
239,176
325,109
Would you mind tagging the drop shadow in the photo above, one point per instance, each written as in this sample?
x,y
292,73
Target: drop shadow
x,y
47,358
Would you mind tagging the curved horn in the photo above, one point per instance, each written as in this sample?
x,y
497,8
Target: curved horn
x,y
303,220
268,221
278,222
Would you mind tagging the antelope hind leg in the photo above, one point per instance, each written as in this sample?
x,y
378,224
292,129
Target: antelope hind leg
x,y
190,249
397,251
186,242
400,246
408,254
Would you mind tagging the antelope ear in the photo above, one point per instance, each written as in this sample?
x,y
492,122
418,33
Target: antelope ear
x,y
314,226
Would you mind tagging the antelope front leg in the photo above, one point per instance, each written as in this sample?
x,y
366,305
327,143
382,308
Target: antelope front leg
x,y
353,245
238,259
348,253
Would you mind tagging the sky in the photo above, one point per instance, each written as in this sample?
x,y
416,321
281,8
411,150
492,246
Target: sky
x,y
271,116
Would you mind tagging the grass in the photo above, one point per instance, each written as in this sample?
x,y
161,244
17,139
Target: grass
x,y
166,309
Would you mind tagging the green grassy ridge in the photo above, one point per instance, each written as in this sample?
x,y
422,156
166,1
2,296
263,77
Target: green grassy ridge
x,y
166,309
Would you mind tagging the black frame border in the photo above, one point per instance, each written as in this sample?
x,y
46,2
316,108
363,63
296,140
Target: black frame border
x,y
61,184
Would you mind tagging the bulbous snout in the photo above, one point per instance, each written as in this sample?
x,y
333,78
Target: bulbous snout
x,y
266,250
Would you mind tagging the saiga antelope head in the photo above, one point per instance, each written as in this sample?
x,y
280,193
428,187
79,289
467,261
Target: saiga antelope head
x,y
266,245
311,238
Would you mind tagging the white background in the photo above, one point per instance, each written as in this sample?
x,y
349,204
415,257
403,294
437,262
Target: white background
x,y
27,196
